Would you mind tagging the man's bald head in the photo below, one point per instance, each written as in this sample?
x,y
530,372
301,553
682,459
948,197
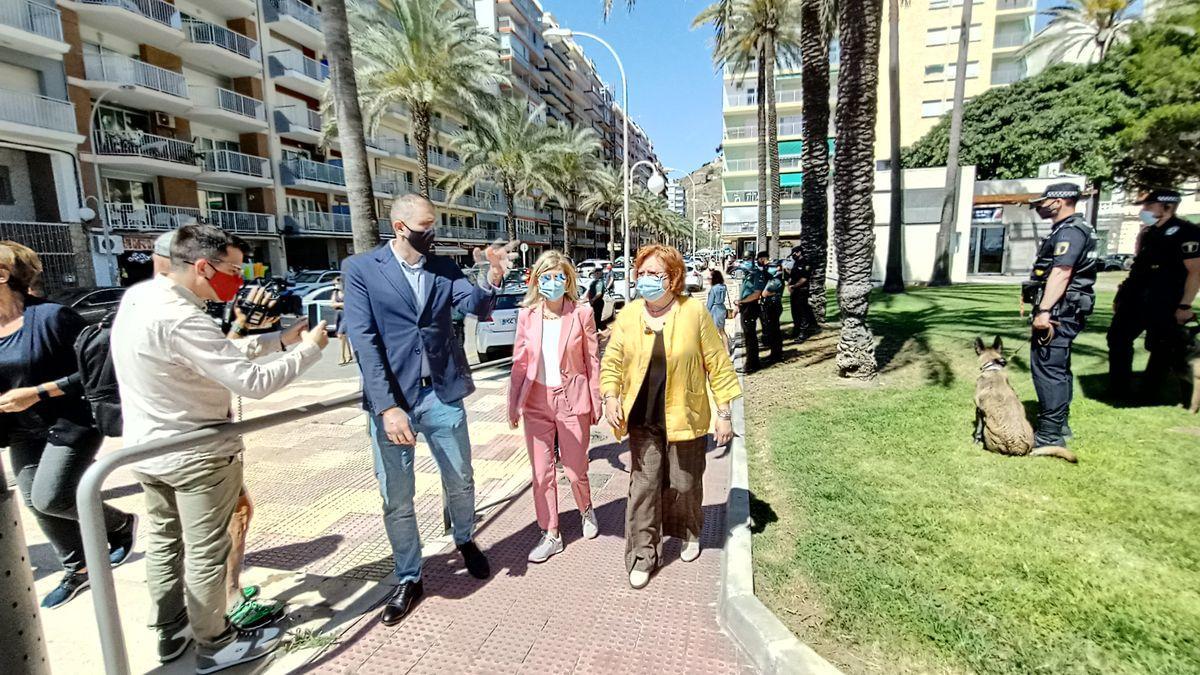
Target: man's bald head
x,y
414,212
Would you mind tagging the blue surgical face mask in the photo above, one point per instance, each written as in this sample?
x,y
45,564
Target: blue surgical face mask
x,y
552,287
772,271
650,288
747,265
1147,217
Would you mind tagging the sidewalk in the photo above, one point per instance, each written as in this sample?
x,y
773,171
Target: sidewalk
x,y
317,541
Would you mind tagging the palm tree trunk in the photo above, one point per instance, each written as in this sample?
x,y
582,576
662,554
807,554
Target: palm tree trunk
x,y
772,146
814,160
511,224
943,255
569,216
894,280
854,174
350,125
760,243
421,120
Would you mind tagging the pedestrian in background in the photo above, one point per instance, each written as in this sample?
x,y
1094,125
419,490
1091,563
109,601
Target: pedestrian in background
x,y
804,321
772,312
754,280
44,420
555,387
338,302
718,304
177,373
663,358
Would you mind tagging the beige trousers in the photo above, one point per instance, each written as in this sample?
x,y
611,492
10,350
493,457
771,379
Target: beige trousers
x,y
666,494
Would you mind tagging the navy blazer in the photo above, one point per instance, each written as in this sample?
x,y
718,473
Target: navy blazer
x,y
389,331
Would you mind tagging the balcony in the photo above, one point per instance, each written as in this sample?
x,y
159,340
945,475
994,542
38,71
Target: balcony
x,y
388,184
153,22
1015,7
1007,72
750,164
219,49
144,152
522,9
227,109
296,20
786,225
242,222
296,71
37,119
154,88
1012,35
33,27
316,222
445,161
782,96
750,132
305,173
751,196
226,167
298,124
123,216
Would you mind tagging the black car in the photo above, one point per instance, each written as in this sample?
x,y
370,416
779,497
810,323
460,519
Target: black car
x,y
1116,262
92,303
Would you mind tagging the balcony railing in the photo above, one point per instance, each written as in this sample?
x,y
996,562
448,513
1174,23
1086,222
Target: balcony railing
x,y
1007,39
457,233
228,161
156,10
751,164
1007,74
299,11
781,96
297,62
241,222
230,101
109,67
320,222
139,144
149,216
204,33
445,161
32,17
305,118
785,129
319,172
741,196
39,111
1008,5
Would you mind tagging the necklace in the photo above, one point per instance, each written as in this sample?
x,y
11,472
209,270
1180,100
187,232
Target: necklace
x,y
659,312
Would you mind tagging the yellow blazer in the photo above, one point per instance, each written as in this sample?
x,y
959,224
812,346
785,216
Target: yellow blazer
x,y
696,362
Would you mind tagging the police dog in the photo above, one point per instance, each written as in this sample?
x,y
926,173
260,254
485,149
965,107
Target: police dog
x,y
1000,423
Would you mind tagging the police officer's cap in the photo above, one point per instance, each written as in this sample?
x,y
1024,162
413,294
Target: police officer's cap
x,y
763,254
1161,196
1059,191
796,250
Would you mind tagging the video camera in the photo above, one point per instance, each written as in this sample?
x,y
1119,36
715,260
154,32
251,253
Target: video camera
x,y
278,301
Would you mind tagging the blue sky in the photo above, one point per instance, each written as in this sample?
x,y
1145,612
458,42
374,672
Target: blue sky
x,y
674,92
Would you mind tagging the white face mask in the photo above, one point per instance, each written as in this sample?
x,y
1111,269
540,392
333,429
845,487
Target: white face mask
x,y
1147,217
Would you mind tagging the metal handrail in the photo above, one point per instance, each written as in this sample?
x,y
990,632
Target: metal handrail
x,y
33,17
91,514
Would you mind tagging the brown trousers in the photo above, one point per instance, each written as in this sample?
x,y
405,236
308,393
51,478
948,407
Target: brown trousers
x,y
666,493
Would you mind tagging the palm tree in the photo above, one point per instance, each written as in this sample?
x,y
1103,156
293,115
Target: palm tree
x,y
854,176
1082,31
942,256
574,169
512,148
344,90
893,281
426,56
607,195
817,21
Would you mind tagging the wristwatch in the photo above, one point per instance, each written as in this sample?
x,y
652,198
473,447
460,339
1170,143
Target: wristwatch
x,y
241,329
725,414
42,392
1041,310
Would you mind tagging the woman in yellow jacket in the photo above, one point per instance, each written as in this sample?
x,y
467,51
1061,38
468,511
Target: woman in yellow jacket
x,y
663,356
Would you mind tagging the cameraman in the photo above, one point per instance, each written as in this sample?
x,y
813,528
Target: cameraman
x,y
176,372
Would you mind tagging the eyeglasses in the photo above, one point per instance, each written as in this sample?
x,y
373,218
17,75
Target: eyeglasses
x,y
217,265
547,277
660,276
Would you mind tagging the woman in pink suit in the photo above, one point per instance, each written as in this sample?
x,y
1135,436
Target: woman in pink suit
x,y
556,387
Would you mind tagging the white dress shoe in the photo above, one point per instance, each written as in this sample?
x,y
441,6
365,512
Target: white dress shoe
x,y
638,578
691,550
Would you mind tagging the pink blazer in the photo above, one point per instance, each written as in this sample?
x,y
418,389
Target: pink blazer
x,y
579,356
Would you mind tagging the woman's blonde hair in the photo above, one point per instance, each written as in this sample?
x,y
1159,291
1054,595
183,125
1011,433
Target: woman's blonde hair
x,y
546,262
23,265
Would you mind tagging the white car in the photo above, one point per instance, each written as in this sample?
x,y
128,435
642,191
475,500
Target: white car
x,y
320,300
616,284
692,281
309,280
496,334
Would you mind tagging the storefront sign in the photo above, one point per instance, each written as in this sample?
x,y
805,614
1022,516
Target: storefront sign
x,y
134,242
987,214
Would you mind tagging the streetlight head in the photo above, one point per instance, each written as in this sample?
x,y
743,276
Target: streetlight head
x,y
556,34
657,183
86,214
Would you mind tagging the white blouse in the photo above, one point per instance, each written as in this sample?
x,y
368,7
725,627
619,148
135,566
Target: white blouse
x,y
549,366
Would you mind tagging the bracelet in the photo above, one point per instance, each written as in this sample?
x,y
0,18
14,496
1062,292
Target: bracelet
x,y
1041,310
42,392
240,328
725,414
610,396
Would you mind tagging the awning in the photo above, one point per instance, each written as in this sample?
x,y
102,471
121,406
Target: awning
x,y
1022,198
790,179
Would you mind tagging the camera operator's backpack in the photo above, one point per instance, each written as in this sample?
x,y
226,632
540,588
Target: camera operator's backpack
x,y
98,376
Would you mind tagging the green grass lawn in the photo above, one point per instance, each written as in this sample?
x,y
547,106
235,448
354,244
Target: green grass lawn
x,y
891,543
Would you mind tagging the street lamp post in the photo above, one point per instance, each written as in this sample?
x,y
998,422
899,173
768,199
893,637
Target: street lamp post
x,y
100,210
692,186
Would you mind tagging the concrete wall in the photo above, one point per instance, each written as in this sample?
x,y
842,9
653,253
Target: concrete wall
x,y
924,190
17,166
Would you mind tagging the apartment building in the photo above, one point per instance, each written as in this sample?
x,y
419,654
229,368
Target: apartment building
x,y
929,31
676,197
156,114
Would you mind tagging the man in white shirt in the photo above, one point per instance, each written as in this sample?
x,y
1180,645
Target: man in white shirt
x,y
176,372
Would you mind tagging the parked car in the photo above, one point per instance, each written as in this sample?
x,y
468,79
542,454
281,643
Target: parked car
x,y
495,335
309,280
92,303
322,298
692,281
586,267
1116,262
616,283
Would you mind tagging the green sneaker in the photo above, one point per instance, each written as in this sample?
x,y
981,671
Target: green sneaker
x,y
250,614
249,592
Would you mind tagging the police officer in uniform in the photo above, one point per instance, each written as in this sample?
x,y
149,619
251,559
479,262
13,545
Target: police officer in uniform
x,y
1060,289
754,281
1157,296
804,322
772,310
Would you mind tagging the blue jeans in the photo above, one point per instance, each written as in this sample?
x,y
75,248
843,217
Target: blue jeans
x,y
444,426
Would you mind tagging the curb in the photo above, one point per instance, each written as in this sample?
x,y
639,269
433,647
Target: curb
x,y
769,644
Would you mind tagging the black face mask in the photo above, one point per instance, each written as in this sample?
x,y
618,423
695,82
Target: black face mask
x,y
1046,212
422,240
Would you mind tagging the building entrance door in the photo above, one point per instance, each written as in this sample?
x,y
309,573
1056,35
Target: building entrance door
x,y
987,249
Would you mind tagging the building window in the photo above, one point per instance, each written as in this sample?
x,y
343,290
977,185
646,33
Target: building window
x,y
6,190
883,164
122,191
935,72
931,108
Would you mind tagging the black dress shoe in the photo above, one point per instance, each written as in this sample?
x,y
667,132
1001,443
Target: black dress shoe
x,y
402,602
477,563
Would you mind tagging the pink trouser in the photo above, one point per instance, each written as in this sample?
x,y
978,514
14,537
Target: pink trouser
x,y
543,423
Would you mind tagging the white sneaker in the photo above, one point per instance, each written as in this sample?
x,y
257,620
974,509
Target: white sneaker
x,y
545,548
591,528
638,578
691,550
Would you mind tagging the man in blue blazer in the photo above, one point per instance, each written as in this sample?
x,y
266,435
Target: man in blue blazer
x,y
399,299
